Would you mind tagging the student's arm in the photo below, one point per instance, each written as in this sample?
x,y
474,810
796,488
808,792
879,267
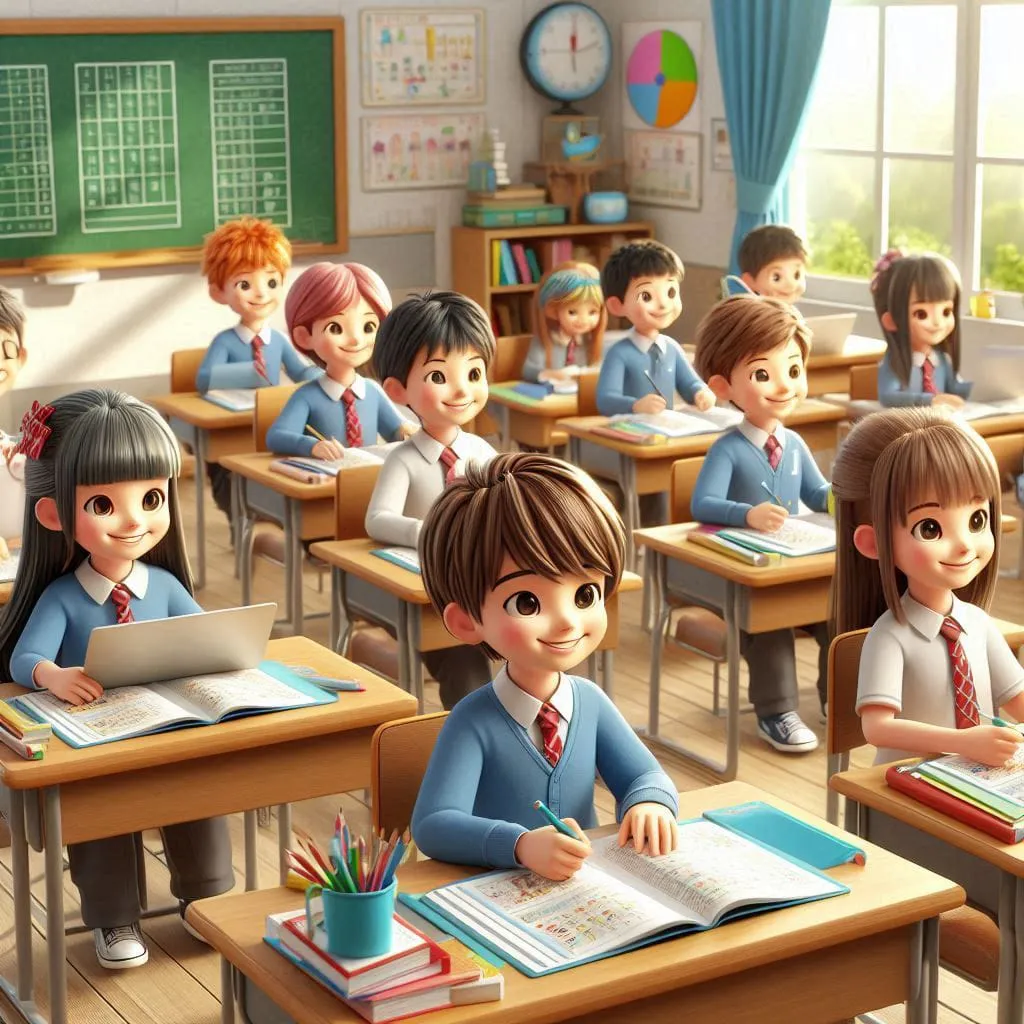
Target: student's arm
x,y
814,487
287,434
687,383
443,824
709,503
386,521
892,393
389,423
40,640
954,385
297,368
1004,672
180,601
612,399
535,361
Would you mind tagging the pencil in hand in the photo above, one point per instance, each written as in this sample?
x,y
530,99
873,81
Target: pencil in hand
x,y
655,386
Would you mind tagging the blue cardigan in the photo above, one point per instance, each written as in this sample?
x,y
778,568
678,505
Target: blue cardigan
x,y
730,480
311,404
228,363
622,381
477,796
892,393
59,626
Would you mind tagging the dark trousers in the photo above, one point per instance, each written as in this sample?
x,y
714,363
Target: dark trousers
x,y
220,484
771,661
458,671
106,871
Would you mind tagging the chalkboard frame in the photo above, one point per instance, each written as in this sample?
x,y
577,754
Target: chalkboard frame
x,y
184,26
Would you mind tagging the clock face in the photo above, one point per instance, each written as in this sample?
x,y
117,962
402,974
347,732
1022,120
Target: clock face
x,y
566,51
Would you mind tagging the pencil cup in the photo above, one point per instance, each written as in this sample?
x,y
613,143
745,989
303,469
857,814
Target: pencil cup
x,y
357,924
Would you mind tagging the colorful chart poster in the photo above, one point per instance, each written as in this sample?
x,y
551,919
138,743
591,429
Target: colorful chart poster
x,y
661,75
419,150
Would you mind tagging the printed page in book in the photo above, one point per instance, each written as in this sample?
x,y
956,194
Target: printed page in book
x,y
806,534
1006,781
670,422
352,457
211,698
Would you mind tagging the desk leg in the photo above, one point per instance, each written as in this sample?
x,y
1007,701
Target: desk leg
x,y
414,631
1009,963
245,526
607,662
1017,1002
22,896
199,450
284,838
630,505
56,946
252,870
922,1001
293,546
574,450
505,416
335,633
405,652
227,992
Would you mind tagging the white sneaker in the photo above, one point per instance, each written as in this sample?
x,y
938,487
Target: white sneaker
x,y
182,907
787,733
119,948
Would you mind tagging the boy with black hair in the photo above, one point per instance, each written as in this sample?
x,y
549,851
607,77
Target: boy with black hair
x,y
773,262
432,355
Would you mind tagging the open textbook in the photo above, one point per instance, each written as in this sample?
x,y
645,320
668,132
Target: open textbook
x,y
620,899
198,700
682,423
809,533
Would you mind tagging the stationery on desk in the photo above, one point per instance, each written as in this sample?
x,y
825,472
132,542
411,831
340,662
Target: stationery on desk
x,y
620,900
679,423
315,471
710,537
235,399
25,736
407,558
809,534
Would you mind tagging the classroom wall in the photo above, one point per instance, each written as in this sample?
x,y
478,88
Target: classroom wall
x,y
122,329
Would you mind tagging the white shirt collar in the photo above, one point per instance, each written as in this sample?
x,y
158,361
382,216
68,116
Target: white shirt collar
x,y
644,344
918,358
926,621
522,707
246,335
757,437
430,448
99,588
334,390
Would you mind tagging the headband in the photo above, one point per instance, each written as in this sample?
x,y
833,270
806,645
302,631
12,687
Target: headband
x,y
565,281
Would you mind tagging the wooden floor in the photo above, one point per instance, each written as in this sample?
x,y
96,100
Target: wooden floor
x,y
180,985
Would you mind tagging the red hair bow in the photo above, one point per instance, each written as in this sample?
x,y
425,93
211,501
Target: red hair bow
x,y
34,430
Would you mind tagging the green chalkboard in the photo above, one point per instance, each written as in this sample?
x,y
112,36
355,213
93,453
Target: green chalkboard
x,y
124,142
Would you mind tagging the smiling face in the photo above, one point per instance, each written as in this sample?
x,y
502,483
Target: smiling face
x,y
444,390
12,358
781,279
342,341
253,294
931,323
577,318
767,387
652,303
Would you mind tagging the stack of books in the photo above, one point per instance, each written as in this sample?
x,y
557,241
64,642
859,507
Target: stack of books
x,y
989,799
417,974
812,533
25,736
511,206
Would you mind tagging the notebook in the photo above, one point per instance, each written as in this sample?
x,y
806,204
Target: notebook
x,y
677,423
235,399
407,558
155,650
808,534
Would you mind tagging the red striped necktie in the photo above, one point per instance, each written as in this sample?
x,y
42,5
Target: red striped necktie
x,y
774,451
928,377
259,361
449,458
121,596
570,353
547,719
965,699
353,428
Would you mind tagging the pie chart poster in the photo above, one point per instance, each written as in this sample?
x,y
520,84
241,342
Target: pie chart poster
x,y
661,75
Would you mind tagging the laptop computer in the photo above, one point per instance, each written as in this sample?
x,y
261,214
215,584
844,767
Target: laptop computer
x,y
829,333
996,370
154,651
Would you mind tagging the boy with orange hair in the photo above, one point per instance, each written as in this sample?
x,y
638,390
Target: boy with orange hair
x,y
244,263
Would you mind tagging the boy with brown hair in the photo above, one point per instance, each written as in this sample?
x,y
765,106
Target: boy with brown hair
x,y
773,262
753,352
519,556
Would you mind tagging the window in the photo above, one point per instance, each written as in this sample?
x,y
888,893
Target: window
x,y
890,157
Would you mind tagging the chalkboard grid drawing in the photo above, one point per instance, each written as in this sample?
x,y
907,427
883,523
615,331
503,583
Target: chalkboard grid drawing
x,y
127,146
419,150
412,56
27,207
249,126
663,168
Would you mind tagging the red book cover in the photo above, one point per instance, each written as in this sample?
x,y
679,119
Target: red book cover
x,y
904,779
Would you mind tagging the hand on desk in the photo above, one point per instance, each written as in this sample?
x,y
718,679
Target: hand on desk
x,y
767,517
328,449
407,429
650,824
952,401
704,399
650,404
551,854
70,684
993,745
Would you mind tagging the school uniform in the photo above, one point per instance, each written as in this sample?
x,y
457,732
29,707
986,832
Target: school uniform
x,y
410,481
536,361
489,765
892,393
737,475
908,667
320,404
228,363
106,870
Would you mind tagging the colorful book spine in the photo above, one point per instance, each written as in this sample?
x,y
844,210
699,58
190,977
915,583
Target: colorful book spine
x,y
522,267
495,263
709,537
622,432
531,258
508,264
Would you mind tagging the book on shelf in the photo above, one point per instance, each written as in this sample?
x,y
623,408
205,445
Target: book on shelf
x,y
710,537
620,900
327,467
127,711
495,262
519,192
1000,791
905,778
508,263
810,533
511,215
9,566
235,399
522,266
535,272
407,558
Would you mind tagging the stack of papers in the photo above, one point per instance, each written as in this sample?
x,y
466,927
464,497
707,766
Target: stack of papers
x,y
808,534
235,399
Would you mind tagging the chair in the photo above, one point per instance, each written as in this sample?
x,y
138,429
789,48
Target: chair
x,y
269,403
864,383
586,399
968,938
507,364
399,754
185,365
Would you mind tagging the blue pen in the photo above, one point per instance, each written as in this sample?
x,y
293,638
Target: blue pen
x,y
655,386
773,495
1001,722
553,819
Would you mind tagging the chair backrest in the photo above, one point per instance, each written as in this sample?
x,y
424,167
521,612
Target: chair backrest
x,y
355,488
1007,448
269,403
399,753
843,731
684,479
586,399
864,382
184,367
509,356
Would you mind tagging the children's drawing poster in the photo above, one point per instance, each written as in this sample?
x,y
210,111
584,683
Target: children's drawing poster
x,y
663,169
419,150
422,55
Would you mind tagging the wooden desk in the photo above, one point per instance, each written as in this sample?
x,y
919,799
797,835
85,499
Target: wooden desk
x,y
647,468
5,592
830,371
304,511
72,796
817,962
530,421
865,789
366,587
212,432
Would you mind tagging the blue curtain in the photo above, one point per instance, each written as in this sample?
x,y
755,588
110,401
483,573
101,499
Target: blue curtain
x,y
768,53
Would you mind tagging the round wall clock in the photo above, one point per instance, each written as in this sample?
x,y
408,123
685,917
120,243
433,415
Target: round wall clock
x,y
566,53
